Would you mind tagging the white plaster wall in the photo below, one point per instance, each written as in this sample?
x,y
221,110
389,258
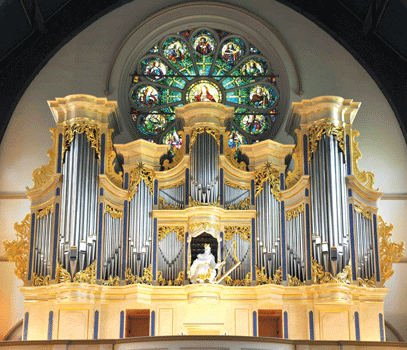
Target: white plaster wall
x,y
81,67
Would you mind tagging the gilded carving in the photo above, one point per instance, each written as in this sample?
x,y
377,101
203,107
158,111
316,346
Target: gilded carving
x,y
62,275
147,277
242,231
138,173
371,283
317,131
230,154
204,226
242,205
17,250
114,213
163,231
272,175
116,178
293,213
40,280
238,186
294,281
390,252
244,282
178,154
45,211
261,277
177,184
88,275
366,178
163,205
200,130
364,212
293,176
194,203
41,175
319,276
112,281
179,281
91,131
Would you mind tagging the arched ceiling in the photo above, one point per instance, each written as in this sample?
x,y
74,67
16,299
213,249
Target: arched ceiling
x,y
373,31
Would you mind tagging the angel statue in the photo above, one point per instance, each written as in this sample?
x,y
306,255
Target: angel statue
x,y
203,269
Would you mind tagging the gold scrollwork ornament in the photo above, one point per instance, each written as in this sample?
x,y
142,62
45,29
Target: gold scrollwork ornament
x,y
88,275
242,231
114,213
163,231
138,173
91,131
272,175
293,213
316,133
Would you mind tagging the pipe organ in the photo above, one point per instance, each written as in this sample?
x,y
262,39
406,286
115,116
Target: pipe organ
x,y
309,231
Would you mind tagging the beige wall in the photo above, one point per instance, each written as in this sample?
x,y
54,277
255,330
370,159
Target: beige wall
x,y
81,67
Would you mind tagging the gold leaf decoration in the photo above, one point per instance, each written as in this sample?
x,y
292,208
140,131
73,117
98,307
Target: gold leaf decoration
x,y
163,205
163,231
293,176
247,281
364,212
371,283
330,129
294,281
112,281
319,276
62,275
91,131
45,211
41,175
230,154
40,280
138,173
261,277
238,186
177,184
88,275
366,178
116,178
390,252
194,203
242,205
200,130
178,154
17,250
179,281
293,213
242,231
147,277
272,175
204,226
114,213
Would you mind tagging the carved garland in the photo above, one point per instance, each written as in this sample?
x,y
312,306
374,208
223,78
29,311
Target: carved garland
x,y
163,231
271,174
92,133
88,275
45,211
41,175
17,250
163,205
194,203
138,173
242,231
390,252
147,277
242,205
177,282
364,212
238,186
178,154
247,281
293,213
204,226
317,131
114,213
200,130
366,178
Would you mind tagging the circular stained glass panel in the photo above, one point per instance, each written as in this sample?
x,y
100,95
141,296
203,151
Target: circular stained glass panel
x,y
204,91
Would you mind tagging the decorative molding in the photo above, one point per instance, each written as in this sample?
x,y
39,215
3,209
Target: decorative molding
x,y
271,174
138,173
41,175
91,131
15,195
390,252
178,154
242,231
194,203
293,213
116,178
17,251
366,178
114,213
163,231
204,226
317,131
174,185
385,196
237,186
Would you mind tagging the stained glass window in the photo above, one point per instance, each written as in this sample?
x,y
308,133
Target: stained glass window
x,y
204,65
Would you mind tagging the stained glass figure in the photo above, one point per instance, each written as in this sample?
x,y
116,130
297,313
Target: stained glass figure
x,y
232,50
204,91
203,65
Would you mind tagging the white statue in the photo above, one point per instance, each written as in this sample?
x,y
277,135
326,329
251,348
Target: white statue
x,y
203,269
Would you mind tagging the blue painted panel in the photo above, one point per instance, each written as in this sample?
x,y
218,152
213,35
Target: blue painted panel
x,y
187,186
55,245
101,191
187,145
186,255
282,182
376,250
221,145
100,231
96,325
348,160
155,249
311,325
305,147
50,324
350,194
357,330
285,325
352,243
126,181
125,241
58,191
121,324
308,228
381,327
155,192
30,263
25,332
152,331
283,246
306,192
253,249
102,154
254,324
221,186
59,164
